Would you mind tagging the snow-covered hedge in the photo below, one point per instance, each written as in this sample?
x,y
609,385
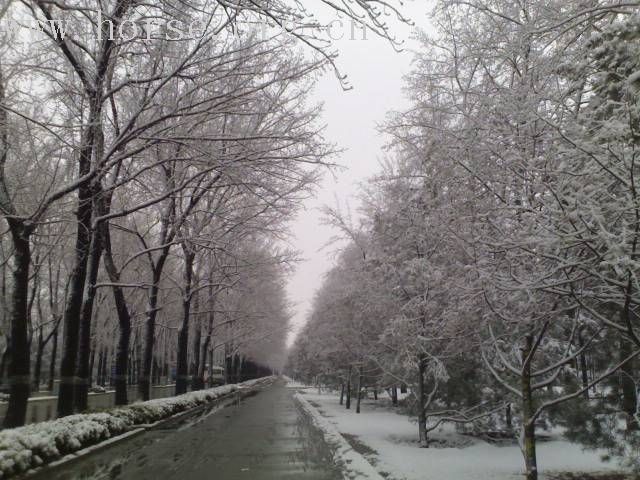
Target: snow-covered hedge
x,y
24,448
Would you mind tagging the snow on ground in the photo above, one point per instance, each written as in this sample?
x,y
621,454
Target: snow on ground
x,y
354,465
393,438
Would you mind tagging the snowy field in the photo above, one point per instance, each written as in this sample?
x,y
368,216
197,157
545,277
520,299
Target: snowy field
x,y
388,440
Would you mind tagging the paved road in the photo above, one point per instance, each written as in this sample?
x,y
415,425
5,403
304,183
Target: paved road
x,y
265,437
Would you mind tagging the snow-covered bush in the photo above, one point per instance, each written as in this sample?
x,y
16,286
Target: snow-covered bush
x,y
30,446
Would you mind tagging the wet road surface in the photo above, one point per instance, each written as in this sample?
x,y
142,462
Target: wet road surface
x,y
265,437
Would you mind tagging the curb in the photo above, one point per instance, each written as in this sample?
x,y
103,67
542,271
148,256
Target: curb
x,y
354,465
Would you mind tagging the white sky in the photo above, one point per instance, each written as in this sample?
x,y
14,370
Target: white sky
x,y
375,71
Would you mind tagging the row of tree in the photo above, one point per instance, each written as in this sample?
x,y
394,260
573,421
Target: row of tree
x,y
495,266
146,176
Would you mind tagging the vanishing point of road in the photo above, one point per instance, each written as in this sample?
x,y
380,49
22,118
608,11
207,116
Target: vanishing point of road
x,y
264,437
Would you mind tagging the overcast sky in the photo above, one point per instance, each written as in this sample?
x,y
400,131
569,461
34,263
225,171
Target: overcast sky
x,y
375,71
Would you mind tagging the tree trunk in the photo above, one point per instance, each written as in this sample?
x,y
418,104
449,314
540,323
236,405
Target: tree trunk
x,y
394,396
348,401
182,367
509,417
341,393
122,349
99,369
155,369
132,367
92,146
138,354
109,367
144,373
629,400
528,423
92,362
124,317
86,315
105,367
422,398
197,359
582,366
200,383
227,368
144,380
199,380
165,364
207,341
359,389
585,374
54,354
3,363
18,341
19,362
37,369
239,364
211,364
75,298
